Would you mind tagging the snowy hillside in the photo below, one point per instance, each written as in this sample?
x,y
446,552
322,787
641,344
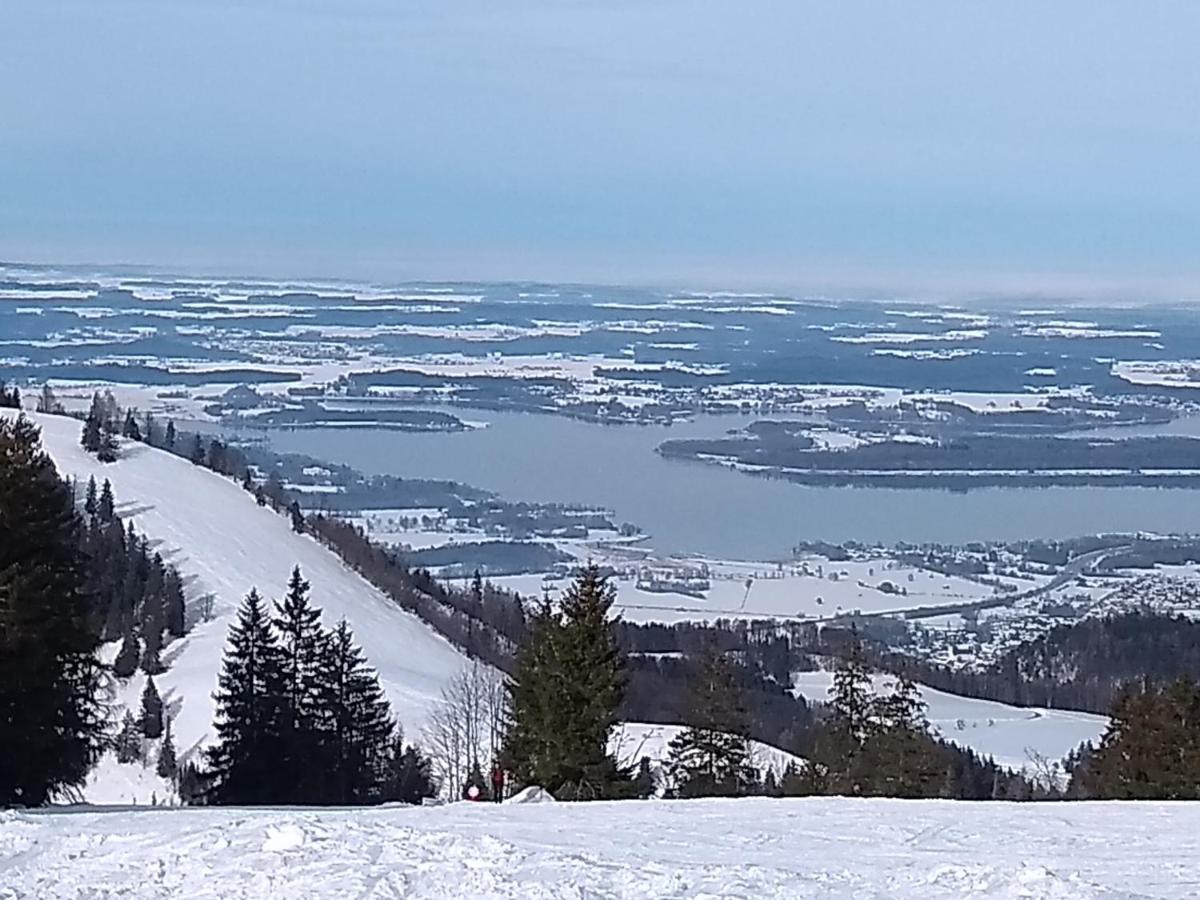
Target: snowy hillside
x,y
1012,735
753,848
634,740
223,544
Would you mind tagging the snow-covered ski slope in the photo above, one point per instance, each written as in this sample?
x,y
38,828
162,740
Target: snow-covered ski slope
x,y
849,849
1014,736
223,544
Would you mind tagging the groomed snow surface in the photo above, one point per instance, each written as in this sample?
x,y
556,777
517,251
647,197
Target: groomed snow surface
x,y
751,848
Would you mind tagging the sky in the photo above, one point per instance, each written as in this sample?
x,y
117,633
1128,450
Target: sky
x,y
932,146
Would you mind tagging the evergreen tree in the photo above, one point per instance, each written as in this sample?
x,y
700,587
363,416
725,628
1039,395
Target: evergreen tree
x,y
90,501
711,757
152,711
150,429
245,762
197,454
93,425
51,724
565,694
174,605
129,740
297,517
301,650
476,784
358,726
901,758
166,765
130,429
106,507
107,452
409,776
128,657
169,436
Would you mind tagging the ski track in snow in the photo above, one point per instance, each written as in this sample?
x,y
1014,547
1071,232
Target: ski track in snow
x,y
223,544
751,848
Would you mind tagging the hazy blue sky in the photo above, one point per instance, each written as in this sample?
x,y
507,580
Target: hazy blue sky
x,y
837,145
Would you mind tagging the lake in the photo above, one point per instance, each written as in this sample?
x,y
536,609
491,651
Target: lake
x,y
697,508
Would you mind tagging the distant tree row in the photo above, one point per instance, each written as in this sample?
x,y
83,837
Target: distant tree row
x,y
301,718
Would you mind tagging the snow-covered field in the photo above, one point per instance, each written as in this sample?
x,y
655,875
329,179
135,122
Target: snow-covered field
x,y
223,544
754,848
1014,736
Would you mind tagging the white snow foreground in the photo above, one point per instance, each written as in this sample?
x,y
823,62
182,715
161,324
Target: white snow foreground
x,y
752,848
223,544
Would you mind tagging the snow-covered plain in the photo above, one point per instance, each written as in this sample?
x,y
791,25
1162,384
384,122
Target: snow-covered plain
x,y
855,849
223,544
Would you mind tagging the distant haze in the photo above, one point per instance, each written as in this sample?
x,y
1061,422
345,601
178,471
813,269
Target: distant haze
x,y
947,147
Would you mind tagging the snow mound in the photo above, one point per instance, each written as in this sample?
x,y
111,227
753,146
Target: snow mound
x,y
532,794
223,544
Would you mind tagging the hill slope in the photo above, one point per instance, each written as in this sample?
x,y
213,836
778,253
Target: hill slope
x,y
223,544
753,848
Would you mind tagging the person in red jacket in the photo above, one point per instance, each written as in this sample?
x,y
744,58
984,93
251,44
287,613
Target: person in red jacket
x,y
497,783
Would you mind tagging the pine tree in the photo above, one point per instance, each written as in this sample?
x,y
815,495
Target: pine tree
x,y
129,740
245,762
152,711
297,517
90,502
51,724
150,429
130,429
93,425
107,451
301,650
409,776
169,436
197,454
167,766
357,726
128,657
902,756
565,694
711,757
174,605
106,507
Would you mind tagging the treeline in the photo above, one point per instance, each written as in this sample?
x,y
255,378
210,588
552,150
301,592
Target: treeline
x,y
1080,666
1151,749
569,686
52,722
135,596
301,718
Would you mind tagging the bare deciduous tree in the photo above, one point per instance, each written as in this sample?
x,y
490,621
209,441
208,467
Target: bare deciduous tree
x,y
466,727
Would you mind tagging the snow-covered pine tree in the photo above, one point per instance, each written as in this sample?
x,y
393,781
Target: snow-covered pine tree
x,y
47,402
711,756
245,762
152,711
51,728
